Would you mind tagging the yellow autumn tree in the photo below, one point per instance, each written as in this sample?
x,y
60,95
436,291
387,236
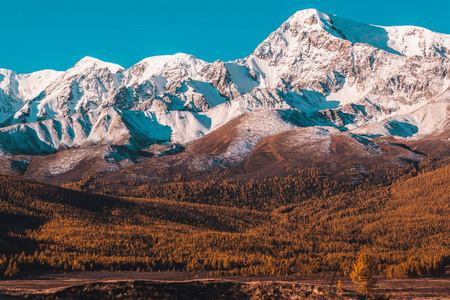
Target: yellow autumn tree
x,y
12,270
363,274
340,290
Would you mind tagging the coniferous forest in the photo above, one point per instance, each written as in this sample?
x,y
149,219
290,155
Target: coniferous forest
x,y
302,224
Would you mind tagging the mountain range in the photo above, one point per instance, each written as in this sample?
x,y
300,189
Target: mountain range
x,y
320,90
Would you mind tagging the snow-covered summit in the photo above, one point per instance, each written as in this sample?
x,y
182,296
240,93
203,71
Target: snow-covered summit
x,y
161,60
310,19
334,71
401,40
180,64
91,63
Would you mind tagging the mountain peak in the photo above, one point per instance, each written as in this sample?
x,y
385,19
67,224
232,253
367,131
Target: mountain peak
x,y
93,63
163,59
312,19
400,40
307,13
184,56
333,71
184,64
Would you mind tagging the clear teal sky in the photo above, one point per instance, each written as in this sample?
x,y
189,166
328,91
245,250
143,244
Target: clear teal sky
x,y
41,34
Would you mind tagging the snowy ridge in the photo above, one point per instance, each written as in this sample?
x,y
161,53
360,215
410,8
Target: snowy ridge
x,y
335,72
402,40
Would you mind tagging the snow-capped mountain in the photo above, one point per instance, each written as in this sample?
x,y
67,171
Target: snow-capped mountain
x,y
366,79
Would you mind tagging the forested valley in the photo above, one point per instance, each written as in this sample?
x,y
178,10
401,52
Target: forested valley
x,y
302,224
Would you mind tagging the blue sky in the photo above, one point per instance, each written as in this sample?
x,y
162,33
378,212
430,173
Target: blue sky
x,y
51,34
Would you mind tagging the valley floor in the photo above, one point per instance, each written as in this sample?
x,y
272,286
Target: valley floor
x,y
77,285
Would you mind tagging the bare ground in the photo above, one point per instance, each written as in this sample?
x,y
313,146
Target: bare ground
x,y
143,284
